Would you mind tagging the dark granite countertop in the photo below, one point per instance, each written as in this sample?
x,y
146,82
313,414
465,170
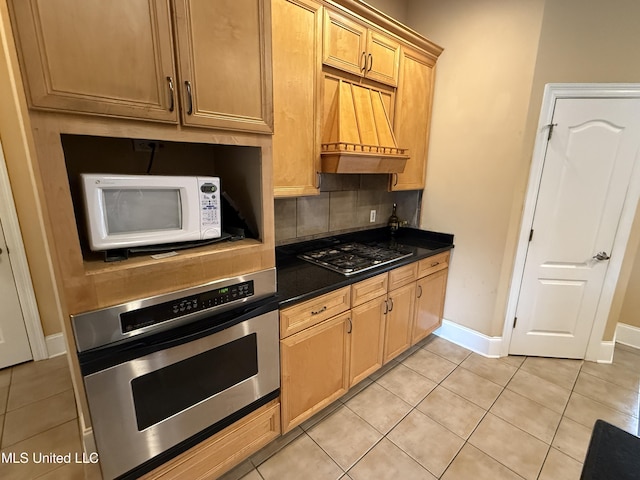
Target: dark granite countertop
x,y
299,280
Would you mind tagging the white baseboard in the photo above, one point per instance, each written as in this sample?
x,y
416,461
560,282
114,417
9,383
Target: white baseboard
x,y
56,345
605,354
491,346
471,339
628,335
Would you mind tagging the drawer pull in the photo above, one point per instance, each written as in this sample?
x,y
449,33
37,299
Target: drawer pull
x,y
435,263
319,311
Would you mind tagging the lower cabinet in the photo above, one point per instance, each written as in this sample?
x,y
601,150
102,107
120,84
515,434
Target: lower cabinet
x,y
314,369
332,342
401,302
367,339
429,304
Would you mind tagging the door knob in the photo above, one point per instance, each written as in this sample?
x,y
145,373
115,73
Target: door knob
x,y
601,256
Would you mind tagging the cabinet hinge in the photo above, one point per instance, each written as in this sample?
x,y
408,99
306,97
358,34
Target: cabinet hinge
x,y
515,320
531,235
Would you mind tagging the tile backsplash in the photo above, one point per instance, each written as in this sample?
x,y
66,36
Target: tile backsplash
x,y
344,205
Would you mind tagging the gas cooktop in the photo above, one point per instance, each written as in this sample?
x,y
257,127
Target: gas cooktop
x,y
350,258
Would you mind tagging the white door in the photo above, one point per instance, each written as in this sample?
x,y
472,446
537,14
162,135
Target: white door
x,y
589,160
14,343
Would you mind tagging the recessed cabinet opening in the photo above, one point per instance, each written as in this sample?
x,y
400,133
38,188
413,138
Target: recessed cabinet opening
x,y
237,167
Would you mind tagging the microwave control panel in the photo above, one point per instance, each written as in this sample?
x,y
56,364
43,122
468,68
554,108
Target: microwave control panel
x,y
163,312
210,221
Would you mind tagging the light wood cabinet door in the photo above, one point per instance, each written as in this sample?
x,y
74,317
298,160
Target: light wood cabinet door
x,y
297,76
91,56
430,292
401,303
367,339
413,117
352,47
314,369
383,58
345,43
224,59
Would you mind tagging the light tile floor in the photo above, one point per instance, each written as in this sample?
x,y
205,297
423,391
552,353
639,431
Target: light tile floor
x,y
38,415
438,411
441,411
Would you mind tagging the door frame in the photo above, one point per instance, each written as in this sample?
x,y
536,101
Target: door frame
x,y
553,92
20,266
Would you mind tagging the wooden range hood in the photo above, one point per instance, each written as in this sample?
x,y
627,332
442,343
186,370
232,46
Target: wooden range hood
x,y
358,136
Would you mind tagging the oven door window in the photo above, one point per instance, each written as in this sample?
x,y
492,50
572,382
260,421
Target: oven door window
x,y
160,394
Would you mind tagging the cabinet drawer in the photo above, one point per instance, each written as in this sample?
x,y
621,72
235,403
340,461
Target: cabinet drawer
x,y
369,289
225,449
306,314
403,275
433,264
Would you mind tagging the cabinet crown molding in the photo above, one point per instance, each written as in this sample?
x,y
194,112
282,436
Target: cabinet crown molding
x,y
382,20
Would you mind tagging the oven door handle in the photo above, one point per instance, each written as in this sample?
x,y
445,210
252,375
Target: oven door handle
x,y
93,361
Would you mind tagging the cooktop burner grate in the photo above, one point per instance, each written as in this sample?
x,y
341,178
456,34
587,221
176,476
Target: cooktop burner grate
x,y
350,258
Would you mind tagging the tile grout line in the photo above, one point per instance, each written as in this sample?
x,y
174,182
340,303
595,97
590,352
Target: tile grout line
x,y
437,384
478,424
564,411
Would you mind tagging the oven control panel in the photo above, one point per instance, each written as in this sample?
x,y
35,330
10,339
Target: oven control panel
x,y
163,312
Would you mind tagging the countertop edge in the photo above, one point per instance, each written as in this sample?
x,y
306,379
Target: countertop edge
x,y
338,281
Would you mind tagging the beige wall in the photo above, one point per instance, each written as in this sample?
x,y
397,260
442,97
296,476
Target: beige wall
x,y
483,84
394,8
498,57
630,309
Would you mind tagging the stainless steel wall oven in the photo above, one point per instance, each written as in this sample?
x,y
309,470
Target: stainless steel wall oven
x,y
164,373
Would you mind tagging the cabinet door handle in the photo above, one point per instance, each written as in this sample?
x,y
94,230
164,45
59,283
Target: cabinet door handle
x,y
172,98
318,180
395,179
386,307
189,97
391,302
350,325
419,291
363,61
319,311
370,63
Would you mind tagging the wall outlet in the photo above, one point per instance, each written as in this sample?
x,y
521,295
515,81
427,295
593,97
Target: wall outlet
x,y
145,145
372,216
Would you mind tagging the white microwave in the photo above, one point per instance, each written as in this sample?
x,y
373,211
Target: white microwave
x,y
124,211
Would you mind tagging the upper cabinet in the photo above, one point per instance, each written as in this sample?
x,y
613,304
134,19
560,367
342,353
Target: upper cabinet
x,y
413,116
354,48
224,58
89,56
297,82
117,58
